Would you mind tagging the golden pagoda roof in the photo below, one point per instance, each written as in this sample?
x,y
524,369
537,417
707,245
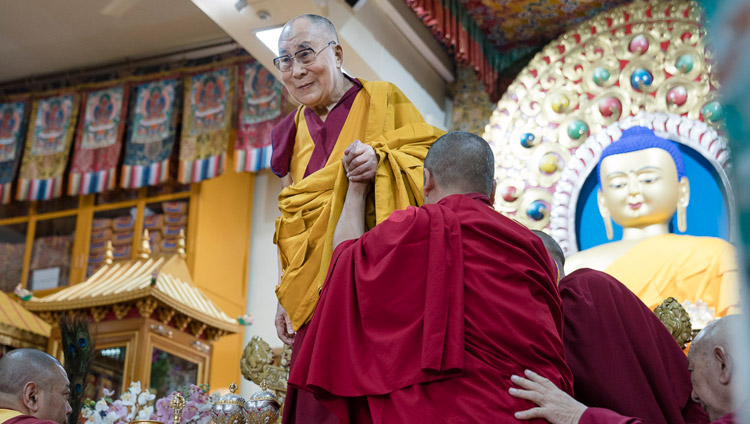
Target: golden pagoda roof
x,y
165,279
19,327
11,313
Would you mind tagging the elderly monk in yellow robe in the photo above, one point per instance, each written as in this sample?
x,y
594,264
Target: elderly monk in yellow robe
x,y
375,123
642,183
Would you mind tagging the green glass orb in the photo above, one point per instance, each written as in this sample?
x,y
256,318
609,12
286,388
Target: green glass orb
x,y
713,112
601,75
577,129
685,63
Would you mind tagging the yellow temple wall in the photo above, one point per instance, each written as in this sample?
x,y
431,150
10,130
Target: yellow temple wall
x,y
220,266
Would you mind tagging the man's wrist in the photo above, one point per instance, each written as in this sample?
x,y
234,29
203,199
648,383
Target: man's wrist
x,y
360,189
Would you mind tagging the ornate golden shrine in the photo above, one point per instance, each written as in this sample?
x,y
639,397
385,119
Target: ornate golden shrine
x,y
645,58
144,310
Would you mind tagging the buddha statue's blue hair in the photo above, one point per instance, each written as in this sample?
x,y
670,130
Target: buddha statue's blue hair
x,y
634,139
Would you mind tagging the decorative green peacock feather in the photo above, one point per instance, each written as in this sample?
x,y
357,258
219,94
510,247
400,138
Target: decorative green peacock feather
x,y
79,354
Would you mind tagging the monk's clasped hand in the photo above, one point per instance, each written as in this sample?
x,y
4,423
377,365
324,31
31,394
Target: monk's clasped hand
x,y
360,162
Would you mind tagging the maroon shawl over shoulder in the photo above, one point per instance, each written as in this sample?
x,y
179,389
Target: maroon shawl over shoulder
x,y
26,419
622,357
425,317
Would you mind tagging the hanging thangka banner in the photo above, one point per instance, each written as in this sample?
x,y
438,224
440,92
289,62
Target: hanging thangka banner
x,y
151,135
50,132
260,109
98,140
205,125
12,130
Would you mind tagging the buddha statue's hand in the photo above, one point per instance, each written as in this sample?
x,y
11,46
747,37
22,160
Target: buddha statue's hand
x,y
553,404
360,162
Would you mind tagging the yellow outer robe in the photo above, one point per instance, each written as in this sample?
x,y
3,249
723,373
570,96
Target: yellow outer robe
x,y
6,414
382,117
684,267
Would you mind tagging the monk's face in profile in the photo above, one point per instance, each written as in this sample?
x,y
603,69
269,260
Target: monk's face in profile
x,y
704,375
313,84
54,396
639,188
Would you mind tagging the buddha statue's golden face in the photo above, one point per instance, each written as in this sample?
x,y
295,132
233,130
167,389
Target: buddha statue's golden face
x,y
641,188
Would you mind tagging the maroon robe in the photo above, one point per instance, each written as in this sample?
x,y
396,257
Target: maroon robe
x,y
424,318
324,134
605,416
27,419
622,357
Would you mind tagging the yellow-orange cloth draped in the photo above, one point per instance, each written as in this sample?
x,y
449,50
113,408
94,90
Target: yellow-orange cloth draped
x,y
6,414
684,267
382,117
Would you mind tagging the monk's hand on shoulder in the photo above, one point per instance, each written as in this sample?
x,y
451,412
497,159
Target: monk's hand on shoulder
x,y
553,404
360,162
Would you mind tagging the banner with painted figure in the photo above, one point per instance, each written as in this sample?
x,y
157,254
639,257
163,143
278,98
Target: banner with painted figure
x,y
51,128
206,124
151,135
98,140
12,130
260,108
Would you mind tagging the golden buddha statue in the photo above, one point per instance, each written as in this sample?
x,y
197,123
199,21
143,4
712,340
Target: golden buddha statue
x,y
642,183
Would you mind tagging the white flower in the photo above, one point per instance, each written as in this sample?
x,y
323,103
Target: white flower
x,y
107,392
101,405
145,397
145,413
128,398
111,417
135,388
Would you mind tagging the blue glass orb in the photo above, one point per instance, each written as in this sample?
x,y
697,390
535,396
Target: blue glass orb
x,y
537,210
527,140
641,78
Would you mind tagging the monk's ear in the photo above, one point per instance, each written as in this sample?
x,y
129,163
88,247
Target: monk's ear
x,y
31,393
492,192
339,52
429,182
724,363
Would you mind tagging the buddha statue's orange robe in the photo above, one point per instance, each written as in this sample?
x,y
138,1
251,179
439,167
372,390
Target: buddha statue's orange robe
x,y
684,267
382,117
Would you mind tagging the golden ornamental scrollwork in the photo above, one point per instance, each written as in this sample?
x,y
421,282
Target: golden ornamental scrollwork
x,y
647,56
676,319
258,365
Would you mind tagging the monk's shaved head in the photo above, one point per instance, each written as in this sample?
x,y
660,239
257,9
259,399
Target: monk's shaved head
x,y
320,25
463,162
716,333
21,366
553,248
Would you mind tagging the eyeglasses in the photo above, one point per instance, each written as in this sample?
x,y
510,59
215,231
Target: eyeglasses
x,y
303,57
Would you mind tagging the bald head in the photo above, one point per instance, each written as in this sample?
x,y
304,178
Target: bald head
x,y
554,250
34,383
716,333
319,25
462,162
21,366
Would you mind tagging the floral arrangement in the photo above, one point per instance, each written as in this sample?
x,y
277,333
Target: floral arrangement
x,y
137,404
197,408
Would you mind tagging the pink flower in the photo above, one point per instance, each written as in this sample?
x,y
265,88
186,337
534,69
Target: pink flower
x,y
163,410
118,408
190,411
197,395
